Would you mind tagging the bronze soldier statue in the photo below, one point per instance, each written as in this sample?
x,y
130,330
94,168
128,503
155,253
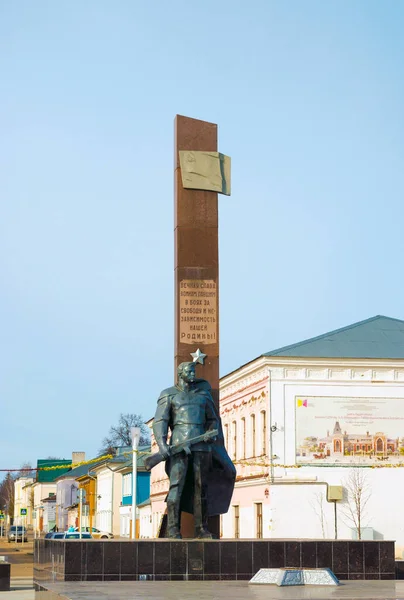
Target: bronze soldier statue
x,y
201,473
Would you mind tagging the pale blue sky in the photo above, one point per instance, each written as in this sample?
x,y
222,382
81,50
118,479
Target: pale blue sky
x,y
308,96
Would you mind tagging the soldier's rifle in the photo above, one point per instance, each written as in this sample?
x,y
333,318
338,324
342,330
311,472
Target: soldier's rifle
x,y
156,458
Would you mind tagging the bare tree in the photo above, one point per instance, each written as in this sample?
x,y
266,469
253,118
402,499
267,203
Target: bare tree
x,y
318,507
358,492
120,434
7,495
31,500
25,471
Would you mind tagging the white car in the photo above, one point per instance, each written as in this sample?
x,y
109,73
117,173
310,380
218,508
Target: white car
x,y
96,533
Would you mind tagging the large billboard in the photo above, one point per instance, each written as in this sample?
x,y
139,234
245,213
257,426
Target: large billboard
x,y
332,430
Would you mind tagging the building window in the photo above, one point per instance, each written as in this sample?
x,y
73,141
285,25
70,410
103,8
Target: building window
x,y
234,426
243,433
236,510
252,435
226,436
258,520
264,431
127,485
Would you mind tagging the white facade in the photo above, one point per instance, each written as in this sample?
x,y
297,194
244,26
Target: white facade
x,y
23,499
291,502
73,518
41,491
109,493
145,521
49,515
66,496
144,516
125,513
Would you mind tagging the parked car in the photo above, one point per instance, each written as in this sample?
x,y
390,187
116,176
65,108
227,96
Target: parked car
x,y
75,535
69,535
56,535
96,533
17,533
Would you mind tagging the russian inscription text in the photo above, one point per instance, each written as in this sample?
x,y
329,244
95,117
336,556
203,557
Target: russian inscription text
x,y
198,311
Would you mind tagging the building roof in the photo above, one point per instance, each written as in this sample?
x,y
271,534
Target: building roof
x,y
123,452
76,472
49,498
52,474
377,337
79,471
143,452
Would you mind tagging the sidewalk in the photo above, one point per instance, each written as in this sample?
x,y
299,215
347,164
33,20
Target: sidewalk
x,y
21,588
21,558
223,590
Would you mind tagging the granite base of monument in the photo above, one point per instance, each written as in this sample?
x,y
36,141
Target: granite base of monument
x,y
206,560
4,576
282,577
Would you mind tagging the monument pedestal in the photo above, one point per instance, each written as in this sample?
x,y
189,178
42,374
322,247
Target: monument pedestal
x,y
5,576
203,560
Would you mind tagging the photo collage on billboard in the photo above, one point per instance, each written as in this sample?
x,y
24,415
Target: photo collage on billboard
x,y
348,430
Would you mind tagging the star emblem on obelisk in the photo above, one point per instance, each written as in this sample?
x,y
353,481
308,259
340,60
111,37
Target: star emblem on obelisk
x,y
198,356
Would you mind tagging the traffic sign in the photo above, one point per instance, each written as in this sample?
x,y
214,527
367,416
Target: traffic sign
x,y
23,512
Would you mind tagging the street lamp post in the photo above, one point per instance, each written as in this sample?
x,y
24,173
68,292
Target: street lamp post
x,y
135,432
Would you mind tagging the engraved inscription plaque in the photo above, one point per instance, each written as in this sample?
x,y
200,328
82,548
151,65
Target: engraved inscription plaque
x,y
198,311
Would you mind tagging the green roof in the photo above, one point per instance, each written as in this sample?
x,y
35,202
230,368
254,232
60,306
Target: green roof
x,y
143,452
51,475
377,337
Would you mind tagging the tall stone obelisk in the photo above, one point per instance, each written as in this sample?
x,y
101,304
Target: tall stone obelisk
x,y
196,262
200,173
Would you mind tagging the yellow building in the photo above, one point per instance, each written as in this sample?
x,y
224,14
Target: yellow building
x,y
88,484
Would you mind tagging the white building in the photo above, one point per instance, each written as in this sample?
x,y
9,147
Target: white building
x,y
143,524
125,508
41,517
67,496
23,499
109,492
49,512
44,489
317,414
145,520
66,499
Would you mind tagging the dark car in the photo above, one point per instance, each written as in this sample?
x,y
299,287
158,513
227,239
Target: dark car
x,y
17,533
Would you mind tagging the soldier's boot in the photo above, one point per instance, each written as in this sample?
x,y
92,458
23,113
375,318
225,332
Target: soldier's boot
x,y
173,521
201,522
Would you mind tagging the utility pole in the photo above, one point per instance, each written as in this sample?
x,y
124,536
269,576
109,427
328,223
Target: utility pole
x,y
135,432
81,511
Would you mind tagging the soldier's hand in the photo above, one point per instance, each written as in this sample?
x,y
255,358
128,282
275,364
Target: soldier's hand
x,y
208,438
165,452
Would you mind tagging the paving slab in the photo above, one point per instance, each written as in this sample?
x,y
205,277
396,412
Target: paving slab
x,y
221,590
